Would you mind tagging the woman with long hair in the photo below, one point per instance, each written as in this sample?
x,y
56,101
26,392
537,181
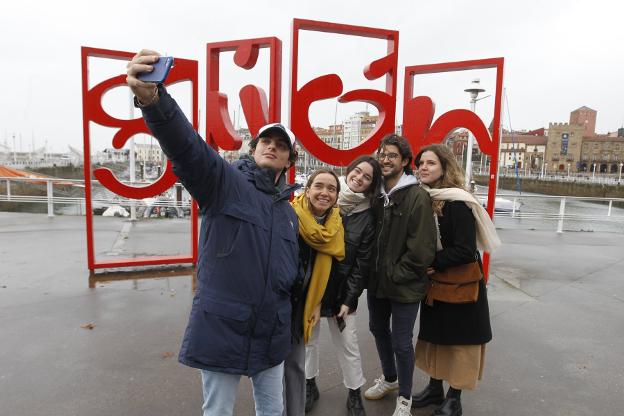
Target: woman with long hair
x,y
453,331
321,241
346,283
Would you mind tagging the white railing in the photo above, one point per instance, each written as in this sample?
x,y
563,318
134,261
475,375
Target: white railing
x,y
582,177
100,196
560,208
523,206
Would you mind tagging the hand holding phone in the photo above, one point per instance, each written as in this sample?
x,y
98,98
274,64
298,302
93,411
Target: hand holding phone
x,y
160,70
341,323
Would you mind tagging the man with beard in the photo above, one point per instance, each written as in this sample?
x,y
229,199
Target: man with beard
x,y
405,242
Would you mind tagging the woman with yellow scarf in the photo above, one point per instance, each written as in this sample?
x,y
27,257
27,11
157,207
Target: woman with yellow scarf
x,y
321,239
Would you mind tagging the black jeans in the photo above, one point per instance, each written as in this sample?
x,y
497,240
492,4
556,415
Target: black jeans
x,y
396,343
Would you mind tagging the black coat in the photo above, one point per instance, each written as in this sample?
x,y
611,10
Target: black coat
x,y
348,277
307,255
450,323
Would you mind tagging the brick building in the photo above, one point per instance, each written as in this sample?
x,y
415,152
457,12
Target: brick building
x,y
576,144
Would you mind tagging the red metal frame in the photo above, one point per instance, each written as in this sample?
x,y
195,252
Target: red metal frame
x,y
418,116
418,124
330,86
184,70
258,112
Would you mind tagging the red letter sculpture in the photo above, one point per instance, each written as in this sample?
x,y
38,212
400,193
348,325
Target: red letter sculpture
x,y
219,129
184,70
418,115
330,86
418,124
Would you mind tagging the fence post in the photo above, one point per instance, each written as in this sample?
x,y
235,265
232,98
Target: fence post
x,y
610,205
8,189
561,214
50,195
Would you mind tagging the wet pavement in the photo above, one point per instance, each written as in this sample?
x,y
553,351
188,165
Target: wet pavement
x,y
556,300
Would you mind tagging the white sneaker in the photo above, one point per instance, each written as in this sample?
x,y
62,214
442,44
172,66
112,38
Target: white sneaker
x,y
403,407
381,388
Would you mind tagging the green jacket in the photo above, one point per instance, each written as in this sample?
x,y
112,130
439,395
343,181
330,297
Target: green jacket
x,y
405,244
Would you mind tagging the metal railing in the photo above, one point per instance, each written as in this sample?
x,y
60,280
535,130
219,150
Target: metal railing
x,y
558,208
582,177
101,196
546,208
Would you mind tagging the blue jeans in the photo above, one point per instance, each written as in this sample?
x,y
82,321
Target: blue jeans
x,y
220,392
396,343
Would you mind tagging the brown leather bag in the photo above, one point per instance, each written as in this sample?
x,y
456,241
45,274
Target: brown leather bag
x,y
457,284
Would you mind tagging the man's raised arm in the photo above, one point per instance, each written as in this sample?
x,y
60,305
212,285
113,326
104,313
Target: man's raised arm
x,y
199,168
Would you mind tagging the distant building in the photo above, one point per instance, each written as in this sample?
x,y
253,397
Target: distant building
x,y
585,116
40,158
112,156
605,152
524,149
564,146
458,143
357,128
233,155
148,153
575,145
332,136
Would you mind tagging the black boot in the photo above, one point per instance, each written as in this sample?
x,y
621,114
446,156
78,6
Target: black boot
x,y
451,406
432,394
312,394
354,403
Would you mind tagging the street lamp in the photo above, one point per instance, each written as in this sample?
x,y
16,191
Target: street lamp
x,y
533,160
568,171
462,145
474,89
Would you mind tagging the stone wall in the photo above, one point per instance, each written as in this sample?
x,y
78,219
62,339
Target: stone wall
x,y
575,188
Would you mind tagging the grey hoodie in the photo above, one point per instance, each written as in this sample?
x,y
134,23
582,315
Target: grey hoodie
x,y
404,181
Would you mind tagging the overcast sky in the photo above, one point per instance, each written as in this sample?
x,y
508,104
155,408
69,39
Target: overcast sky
x,y
559,55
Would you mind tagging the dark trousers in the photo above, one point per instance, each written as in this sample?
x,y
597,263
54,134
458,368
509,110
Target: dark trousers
x,y
294,380
394,346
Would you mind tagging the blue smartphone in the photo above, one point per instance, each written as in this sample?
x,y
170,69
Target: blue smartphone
x,y
160,72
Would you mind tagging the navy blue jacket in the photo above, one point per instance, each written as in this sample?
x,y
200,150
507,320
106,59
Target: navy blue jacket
x,y
248,252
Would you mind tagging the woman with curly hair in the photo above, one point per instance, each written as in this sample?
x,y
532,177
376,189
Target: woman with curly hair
x,y
452,337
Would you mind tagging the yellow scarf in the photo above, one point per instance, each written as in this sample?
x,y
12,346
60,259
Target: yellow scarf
x,y
328,241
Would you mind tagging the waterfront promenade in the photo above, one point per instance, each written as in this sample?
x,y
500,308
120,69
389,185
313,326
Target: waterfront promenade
x,y
557,307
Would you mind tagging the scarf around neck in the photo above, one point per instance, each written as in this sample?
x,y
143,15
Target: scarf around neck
x,y
351,202
328,241
487,238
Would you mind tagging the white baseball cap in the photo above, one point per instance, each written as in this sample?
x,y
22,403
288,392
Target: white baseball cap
x,y
281,130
